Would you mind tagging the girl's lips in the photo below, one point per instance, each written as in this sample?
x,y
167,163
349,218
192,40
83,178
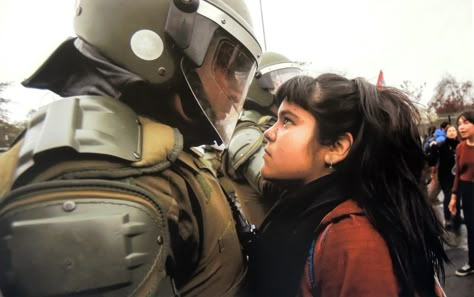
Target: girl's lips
x,y
266,152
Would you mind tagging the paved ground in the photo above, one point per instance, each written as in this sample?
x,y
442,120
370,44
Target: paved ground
x,y
456,286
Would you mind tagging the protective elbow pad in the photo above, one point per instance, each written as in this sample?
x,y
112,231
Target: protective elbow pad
x,y
84,237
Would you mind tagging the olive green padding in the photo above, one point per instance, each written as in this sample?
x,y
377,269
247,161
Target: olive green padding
x,y
256,94
251,116
85,124
244,144
79,237
244,158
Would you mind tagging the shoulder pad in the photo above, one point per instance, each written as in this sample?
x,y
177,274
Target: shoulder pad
x,y
86,124
103,126
250,116
160,143
244,143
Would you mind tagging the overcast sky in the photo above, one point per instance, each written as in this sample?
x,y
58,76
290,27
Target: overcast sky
x,y
416,40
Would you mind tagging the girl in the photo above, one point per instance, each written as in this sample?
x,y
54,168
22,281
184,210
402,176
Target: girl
x,y
353,219
463,185
441,155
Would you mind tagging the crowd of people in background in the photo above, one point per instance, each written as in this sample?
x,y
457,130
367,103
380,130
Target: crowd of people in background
x,y
176,135
450,154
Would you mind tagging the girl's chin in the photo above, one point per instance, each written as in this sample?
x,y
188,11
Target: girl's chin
x,y
265,174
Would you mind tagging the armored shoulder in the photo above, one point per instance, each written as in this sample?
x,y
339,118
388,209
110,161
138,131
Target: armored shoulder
x,y
73,211
244,144
243,159
99,131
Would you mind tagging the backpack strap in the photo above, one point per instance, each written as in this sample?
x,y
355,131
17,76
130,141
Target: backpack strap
x,y
320,237
316,240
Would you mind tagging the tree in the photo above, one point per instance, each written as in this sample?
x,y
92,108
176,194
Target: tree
x,y
414,92
452,96
3,102
8,131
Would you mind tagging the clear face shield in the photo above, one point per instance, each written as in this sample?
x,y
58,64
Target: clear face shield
x,y
220,85
273,79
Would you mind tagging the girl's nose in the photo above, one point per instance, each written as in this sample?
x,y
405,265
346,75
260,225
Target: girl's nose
x,y
270,133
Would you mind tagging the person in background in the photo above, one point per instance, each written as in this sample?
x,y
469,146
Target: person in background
x,y
429,138
463,185
353,219
440,133
434,187
102,195
426,140
243,159
442,156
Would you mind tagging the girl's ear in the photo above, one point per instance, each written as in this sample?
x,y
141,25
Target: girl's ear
x,y
339,150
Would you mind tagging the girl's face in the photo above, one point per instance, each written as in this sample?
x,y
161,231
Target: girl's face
x,y
466,128
451,133
293,151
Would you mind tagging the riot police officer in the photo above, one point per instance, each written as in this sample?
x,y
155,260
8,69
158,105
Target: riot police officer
x,y
101,195
243,159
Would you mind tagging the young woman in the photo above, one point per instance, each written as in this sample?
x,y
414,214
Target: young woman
x,y
353,219
442,155
463,185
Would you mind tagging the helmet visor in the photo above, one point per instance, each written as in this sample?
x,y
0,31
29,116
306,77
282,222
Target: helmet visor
x,y
220,85
272,80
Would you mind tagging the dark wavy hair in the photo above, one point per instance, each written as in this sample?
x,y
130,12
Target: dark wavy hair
x,y
467,114
383,170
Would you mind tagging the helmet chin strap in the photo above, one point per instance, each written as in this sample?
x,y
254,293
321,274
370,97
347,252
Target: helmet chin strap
x,y
177,104
185,124
196,119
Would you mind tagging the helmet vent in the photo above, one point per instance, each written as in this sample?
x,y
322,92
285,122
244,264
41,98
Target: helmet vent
x,y
147,45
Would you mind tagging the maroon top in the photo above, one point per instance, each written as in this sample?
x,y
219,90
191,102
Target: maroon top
x,y
350,258
464,164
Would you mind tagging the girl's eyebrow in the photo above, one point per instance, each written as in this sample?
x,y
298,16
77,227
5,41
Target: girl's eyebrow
x,y
286,112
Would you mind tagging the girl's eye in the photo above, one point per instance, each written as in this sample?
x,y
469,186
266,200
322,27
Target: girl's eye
x,y
287,121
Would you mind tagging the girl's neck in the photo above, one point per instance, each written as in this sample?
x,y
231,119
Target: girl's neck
x,y
470,141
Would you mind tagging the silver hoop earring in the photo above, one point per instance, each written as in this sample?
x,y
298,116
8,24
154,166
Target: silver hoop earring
x,y
330,164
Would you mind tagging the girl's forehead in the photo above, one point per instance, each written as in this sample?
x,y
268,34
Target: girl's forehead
x,y
287,106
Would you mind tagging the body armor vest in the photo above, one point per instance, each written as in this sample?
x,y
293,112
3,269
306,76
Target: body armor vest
x,y
97,200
